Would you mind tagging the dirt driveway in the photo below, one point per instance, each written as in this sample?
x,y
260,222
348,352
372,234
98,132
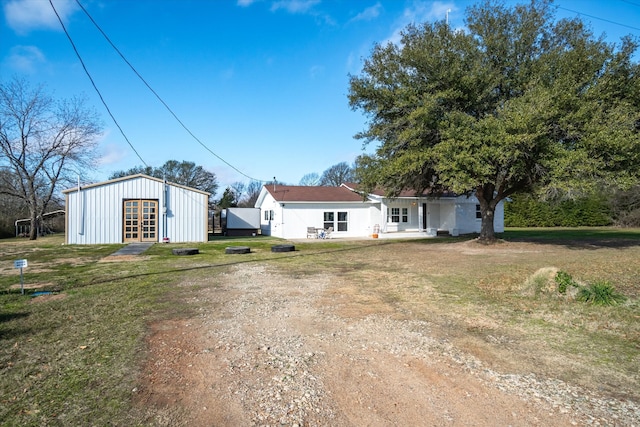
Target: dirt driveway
x,y
271,350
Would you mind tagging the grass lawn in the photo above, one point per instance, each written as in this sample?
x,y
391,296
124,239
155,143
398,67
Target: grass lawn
x,y
72,357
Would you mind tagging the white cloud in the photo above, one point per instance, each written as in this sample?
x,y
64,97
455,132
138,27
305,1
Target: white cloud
x,y
315,71
26,15
246,3
369,13
111,153
25,59
294,6
419,12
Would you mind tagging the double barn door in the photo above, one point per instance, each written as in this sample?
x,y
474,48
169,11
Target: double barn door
x,y
140,220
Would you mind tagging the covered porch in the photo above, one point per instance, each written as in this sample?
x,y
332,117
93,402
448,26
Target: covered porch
x,y
423,217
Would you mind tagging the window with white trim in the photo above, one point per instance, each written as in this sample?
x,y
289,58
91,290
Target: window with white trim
x,y
342,223
329,220
396,214
478,212
268,215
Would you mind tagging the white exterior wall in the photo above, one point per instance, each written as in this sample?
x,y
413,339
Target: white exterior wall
x,y
187,215
498,218
95,215
448,220
413,218
466,216
458,216
270,227
291,220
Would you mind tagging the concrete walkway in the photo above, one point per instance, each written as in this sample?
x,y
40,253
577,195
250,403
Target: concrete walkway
x,y
134,248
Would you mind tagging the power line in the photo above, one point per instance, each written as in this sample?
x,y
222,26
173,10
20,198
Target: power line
x,y
175,116
94,84
630,2
600,19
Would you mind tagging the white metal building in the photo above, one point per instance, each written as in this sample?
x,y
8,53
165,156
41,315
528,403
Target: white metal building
x,y
136,208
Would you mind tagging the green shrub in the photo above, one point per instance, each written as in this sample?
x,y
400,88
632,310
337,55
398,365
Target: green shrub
x,y
527,211
600,293
564,281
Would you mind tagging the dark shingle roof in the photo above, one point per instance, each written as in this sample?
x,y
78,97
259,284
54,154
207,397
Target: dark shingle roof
x,y
297,193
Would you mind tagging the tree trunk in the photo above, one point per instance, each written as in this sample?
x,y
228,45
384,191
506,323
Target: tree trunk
x,y
487,232
488,203
33,230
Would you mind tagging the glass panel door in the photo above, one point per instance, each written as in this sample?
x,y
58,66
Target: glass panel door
x,y
149,222
131,213
140,221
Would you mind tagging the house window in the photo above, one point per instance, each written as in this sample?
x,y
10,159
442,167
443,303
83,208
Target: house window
x,y
268,215
342,221
394,215
330,221
478,212
405,214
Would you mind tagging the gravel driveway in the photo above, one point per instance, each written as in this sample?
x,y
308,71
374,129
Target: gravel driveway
x,y
269,350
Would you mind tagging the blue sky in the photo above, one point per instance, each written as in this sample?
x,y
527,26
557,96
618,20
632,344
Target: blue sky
x,y
262,83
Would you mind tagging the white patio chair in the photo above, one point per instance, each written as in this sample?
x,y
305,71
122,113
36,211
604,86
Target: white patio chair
x,y
312,233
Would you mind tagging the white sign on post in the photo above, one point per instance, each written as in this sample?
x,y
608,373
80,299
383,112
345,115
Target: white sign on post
x,y
20,263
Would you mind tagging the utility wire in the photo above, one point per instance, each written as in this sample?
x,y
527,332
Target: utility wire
x,y
601,19
630,2
94,84
175,116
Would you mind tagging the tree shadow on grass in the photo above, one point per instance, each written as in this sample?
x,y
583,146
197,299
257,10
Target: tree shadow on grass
x,y
7,317
7,332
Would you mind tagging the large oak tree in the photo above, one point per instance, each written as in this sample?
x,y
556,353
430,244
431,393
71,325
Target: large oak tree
x,y
44,143
514,102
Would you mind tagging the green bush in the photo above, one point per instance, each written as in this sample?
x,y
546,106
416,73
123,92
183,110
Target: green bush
x,y
564,281
526,211
600,293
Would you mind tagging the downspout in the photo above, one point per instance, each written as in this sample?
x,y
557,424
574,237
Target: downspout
x,y
79,209
164,211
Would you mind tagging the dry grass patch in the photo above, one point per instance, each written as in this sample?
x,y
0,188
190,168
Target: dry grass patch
x,y
501,304
479,299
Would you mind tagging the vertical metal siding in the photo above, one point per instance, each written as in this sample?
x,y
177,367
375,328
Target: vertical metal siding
x,y
186,215
186,209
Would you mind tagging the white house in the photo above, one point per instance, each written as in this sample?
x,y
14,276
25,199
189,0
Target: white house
x,y
136,208
287,211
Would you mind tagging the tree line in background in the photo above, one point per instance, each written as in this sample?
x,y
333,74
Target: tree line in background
x,y
240,195
619,207
184,173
